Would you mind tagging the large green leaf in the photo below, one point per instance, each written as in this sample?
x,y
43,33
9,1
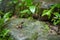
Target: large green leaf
x,y
0,0
32,9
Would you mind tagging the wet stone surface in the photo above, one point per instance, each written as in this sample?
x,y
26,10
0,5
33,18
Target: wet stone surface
x,y
30,30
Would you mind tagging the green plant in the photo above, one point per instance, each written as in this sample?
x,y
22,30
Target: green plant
x,y
23,7
29,8
49,13
58,6
56,18
3,30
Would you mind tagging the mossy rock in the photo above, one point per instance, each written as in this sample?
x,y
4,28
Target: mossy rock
x,y
31,30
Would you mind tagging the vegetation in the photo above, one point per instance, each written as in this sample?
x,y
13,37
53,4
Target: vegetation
x,y
25,9
55,18
3,31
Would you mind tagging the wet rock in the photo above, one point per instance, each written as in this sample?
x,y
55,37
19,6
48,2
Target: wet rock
x,y
31,30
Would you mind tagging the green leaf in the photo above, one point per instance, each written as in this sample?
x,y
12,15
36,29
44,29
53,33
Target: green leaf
x,y
15,1
48,12
57,14
44,12
23,0
1,22
56,22
4,32
32,9
28,2
6,16
58,5
0,0
1,13
20,4
6,19
56,18
24,11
